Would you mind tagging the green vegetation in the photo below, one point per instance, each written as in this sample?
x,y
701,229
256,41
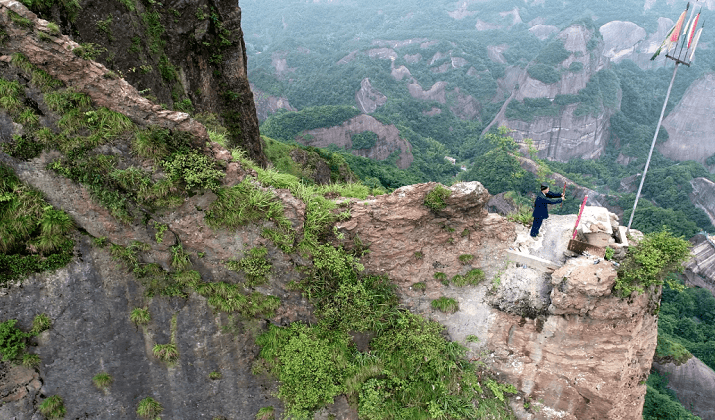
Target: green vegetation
x,y
364,140
435,198
446,305
544,73
102,380
53,407
471,338
149,408
661,402
140,316
288,125
40,323
30,360
12,340
254,265
43,7
420,286
89,51
34,237
472,278
466,258
19,20
215,375
647,264
266,413
167,353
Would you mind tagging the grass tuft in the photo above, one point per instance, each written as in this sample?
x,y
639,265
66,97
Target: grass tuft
x,y
168,353
140,316
40,323
149,408
102,380
30,360
53,407
446,305
266,413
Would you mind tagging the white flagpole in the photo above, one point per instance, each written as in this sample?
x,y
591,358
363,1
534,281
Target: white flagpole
x,y
652,146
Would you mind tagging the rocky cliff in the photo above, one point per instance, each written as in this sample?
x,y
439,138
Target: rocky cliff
x,y
388,139
694,384
563,131
216,249
703,196
186,56
688,125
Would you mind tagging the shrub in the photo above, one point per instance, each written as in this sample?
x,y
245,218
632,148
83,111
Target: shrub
x,y
168,353
30,360
609,253
53,407
446,305
40,323
195,170
140,316
254,265
647,264
12,340
102,380
435,198
149,408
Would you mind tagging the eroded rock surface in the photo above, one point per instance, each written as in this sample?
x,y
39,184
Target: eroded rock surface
x,y
389,140
693,383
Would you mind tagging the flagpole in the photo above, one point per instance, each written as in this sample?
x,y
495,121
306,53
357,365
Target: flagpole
x,y
652,146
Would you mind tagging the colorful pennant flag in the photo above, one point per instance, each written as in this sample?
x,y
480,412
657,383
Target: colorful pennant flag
x,y
679,26
692,30
663,44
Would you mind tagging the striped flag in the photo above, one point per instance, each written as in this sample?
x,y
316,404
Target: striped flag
x,y
692,30
663,44
679,26
695,43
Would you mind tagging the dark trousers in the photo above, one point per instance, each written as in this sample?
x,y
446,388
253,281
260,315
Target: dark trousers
x,y
536,226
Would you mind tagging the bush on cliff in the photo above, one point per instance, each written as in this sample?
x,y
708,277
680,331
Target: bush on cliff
x,y
647,264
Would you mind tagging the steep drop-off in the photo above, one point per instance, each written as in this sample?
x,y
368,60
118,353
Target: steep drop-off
x,y
186,55
562,129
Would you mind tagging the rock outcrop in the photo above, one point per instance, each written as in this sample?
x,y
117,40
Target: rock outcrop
x,y
567,133
690,125
703,196
267,105
694,385
368,98
388,139
574,349
161,51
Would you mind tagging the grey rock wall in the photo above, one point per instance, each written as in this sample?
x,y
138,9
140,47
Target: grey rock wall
x,y
89,302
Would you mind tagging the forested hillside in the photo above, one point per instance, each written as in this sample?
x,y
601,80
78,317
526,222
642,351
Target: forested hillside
x,y
445,70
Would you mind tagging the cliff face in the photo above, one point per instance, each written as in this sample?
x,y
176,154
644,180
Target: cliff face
x,y
689,124
548,335
563,133
388,139
703,196
189,56
572,348
694,384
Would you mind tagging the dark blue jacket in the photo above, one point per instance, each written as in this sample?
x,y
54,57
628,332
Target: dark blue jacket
x,y
541,210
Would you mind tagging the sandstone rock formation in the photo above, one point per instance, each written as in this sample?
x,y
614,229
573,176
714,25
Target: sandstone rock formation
x,y
700,270
368,98
689,124
566,135
267,105
694,385
389,140
703,196
572,348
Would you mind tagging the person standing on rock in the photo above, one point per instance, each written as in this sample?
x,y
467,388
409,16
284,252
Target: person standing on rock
x,y
541,210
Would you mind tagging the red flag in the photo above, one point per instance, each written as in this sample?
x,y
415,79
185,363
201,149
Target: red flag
x,y
679,26
692,30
